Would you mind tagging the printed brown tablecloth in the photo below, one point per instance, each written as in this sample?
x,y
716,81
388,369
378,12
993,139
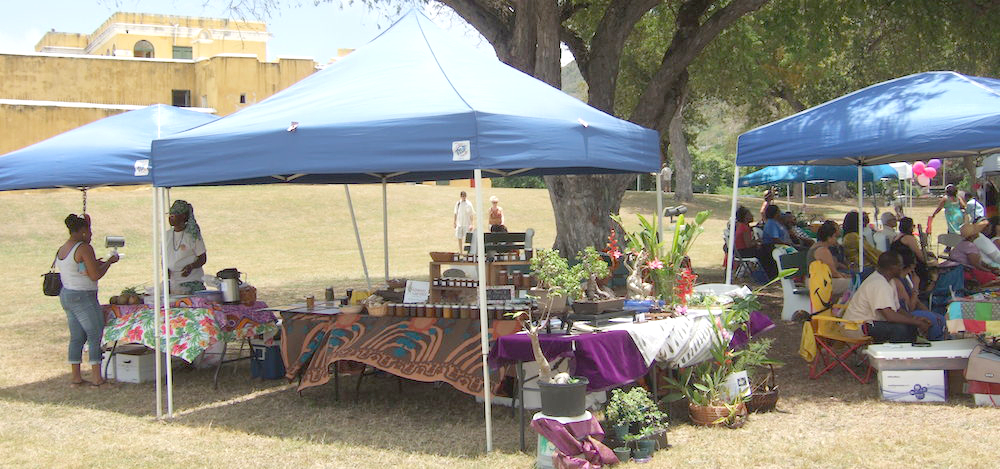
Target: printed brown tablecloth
x,y
421,349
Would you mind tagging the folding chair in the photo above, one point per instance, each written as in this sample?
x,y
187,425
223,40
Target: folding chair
x,y
832,347
794,298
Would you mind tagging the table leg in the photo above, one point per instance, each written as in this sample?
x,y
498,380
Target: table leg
x,y
110,359
336,381
652,372
520,400
218,367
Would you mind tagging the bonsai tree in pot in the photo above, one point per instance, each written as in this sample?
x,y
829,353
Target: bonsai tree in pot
x,y
562,395
595,298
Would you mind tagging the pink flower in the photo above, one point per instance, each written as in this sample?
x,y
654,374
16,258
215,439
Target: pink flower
x,y
616,254
681,309
655,264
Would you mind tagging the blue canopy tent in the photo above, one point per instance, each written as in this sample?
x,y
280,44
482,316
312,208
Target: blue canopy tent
x,y
921,116
787,174
414,104
112,151
109,152
815,173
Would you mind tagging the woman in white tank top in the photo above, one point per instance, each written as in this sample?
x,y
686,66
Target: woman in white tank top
x,y
79,270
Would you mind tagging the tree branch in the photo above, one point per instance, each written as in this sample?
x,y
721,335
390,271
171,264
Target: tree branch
x,y
578,48
690,39
490,21
606,48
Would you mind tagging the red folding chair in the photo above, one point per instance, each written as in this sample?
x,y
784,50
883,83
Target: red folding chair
x,y
832,346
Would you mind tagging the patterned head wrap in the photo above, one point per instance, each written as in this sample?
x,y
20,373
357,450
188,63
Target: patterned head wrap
x,y
182,207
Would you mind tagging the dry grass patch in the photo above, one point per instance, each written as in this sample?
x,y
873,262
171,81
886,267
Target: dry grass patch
x,y
296,240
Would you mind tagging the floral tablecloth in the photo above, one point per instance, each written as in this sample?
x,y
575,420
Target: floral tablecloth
x,y
197,324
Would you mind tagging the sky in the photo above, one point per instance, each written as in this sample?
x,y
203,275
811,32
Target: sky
x,y
299,28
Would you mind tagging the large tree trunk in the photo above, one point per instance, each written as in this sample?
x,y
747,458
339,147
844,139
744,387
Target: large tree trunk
x,y
582,206
681,158
969,163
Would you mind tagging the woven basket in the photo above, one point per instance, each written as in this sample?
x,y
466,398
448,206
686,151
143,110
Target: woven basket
x,y
378,310
764,401
710,415
442,256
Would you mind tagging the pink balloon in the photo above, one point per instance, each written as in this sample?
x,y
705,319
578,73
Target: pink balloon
x,y
918,168
930,172
923,180
934,163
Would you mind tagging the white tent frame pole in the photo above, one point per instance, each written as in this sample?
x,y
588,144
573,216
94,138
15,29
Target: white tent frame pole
x,y
788,196
483,326
385,228
732,225
164,196
155,247
357,236
659,207
861,228
803,208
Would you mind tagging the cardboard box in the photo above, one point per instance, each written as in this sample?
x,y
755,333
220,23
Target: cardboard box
x,y
912,385
135,365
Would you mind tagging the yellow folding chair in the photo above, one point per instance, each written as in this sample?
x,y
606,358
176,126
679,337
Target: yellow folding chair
x,y
829,346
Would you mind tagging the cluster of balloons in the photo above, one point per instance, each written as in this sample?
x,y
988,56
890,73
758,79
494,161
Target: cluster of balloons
x,y
925,172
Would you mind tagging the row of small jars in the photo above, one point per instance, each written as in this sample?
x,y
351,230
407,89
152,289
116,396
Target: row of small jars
x,y
447,311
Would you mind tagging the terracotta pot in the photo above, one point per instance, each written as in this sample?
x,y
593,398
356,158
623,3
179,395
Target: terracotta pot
x,y
708,415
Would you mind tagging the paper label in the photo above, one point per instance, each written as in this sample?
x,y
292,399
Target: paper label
x,y
461,150
142,167
417,291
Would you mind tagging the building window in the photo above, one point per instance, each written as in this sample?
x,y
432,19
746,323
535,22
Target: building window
x,y
181,52
143,49
243,98
181,98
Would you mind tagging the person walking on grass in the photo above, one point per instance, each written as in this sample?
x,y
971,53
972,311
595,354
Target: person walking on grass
x,y
79,270
464,218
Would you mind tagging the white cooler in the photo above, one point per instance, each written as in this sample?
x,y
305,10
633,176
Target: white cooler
x,y
916,374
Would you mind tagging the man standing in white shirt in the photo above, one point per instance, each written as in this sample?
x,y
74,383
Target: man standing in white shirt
x,y
876,304
665,175
465,216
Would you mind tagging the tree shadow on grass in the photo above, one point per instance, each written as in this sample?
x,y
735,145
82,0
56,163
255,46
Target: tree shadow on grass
x,y
423,418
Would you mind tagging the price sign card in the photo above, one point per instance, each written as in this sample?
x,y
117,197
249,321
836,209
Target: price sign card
x,y
417,291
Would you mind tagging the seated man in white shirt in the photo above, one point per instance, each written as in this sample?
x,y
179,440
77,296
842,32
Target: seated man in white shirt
x,y
888,233
876,303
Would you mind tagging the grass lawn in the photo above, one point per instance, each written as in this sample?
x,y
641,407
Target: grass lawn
x,y
297,240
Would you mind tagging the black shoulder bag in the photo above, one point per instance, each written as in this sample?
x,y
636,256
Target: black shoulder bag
x,y
51,282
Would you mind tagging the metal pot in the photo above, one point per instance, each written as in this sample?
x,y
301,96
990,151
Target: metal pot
x,y
230,285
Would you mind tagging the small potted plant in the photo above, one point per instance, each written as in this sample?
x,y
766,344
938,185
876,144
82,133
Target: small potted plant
x,y
633,416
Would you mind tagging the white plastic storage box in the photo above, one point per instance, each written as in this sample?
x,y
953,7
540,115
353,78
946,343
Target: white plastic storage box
x,y
133,364
912,385
988,400
940,355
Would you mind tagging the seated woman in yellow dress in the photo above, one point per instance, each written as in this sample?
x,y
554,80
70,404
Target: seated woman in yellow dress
x,y
851,239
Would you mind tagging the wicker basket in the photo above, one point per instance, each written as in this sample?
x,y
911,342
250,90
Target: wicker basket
x,y
764,401
442,256
377,310
710,415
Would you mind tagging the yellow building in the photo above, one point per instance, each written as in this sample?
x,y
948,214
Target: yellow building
x,y
134,60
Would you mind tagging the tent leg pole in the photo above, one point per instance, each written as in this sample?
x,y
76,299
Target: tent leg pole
x,y
483,327
861,228
788,196
164,204
357,236
803,208
659,207
732,225
385,229
155,247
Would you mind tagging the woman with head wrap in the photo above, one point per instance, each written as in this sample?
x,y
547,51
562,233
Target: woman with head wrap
x,y
186,252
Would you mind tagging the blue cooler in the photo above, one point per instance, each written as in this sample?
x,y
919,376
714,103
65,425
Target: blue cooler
x,y
265,361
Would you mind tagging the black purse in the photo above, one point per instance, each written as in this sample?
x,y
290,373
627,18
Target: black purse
x,y
51,282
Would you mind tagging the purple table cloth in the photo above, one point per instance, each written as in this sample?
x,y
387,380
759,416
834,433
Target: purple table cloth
x,y
607,359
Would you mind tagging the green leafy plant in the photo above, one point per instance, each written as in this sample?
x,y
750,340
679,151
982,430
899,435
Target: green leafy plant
x,y
705,383
637,410
659,260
